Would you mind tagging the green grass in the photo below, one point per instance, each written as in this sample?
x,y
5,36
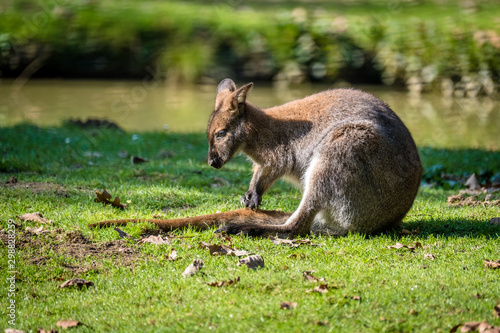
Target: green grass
x,y
400,290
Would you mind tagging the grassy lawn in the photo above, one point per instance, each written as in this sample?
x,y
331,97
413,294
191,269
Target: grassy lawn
x,y
370,287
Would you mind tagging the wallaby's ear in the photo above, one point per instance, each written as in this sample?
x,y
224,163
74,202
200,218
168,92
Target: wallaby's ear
x,y
241,94
226,84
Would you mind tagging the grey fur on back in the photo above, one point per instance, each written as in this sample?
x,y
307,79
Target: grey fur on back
x,y
373,166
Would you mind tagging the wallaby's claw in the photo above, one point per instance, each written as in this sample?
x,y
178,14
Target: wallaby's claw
x,y
251,200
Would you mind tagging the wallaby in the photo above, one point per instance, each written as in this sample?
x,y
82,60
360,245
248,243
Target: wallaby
x,y
351,155
353,158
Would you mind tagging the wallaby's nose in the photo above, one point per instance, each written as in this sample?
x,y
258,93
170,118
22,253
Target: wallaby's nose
x,y
214,159
215,162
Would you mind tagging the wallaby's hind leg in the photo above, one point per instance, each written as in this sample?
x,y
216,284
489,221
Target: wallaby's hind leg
x,y
302,219
299,223
326,223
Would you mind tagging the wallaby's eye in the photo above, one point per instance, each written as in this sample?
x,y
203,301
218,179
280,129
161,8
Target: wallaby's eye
x,y
220,134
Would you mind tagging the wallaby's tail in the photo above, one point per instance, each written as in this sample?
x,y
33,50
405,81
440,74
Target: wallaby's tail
x,y
205,221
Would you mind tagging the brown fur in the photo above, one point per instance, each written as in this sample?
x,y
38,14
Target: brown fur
x,y
205,221
352,156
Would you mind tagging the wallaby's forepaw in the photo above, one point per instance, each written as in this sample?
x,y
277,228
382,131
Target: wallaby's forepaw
x,y
242,229
251,199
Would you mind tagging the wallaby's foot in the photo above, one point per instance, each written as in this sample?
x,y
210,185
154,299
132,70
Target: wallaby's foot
x,y
260,230
251,199
248,229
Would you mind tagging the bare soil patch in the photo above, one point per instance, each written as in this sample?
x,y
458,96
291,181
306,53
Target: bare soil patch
x,y
37,187
35,249
475,198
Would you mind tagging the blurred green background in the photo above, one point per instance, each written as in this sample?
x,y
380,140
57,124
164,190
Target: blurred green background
x,y
420,45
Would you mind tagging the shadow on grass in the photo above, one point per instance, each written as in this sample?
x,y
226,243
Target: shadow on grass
x,y
448,228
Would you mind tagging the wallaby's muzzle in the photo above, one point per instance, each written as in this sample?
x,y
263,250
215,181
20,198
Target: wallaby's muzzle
x,y
215,162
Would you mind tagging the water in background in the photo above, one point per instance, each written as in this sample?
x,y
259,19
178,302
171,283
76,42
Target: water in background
x,y
434,120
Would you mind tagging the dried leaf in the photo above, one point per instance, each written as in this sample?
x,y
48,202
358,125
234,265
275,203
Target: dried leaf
x,y
224,283
288,305
455,328
37,231
323,289
13,330
223,250
68,323
215,249
496,311
429,256
204,245
309,277
172,256
492,264
79,283
417,245
137,160
279,241
473,183
193,268
252,262
123,234
240,253
41,330
12,180
411,247
322,323
356,298
397,246
495,220
224,237
116,202
105,197
154,240
292,242
480,326
406,232
35,217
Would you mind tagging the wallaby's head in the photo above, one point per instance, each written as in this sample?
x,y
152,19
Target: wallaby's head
x,y
225,130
